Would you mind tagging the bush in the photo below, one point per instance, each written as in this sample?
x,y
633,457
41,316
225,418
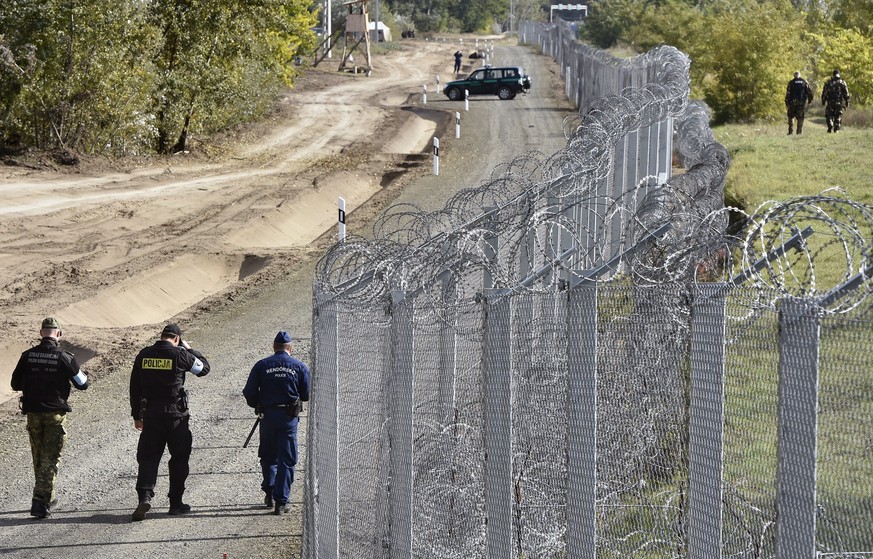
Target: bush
x,y
858,117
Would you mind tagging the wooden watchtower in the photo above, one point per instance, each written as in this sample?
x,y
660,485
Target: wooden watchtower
x,y
357,31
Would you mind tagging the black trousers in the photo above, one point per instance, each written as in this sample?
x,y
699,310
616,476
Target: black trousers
x,y
174,434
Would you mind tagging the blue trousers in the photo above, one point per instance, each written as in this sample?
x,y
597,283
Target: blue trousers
x,y
277,450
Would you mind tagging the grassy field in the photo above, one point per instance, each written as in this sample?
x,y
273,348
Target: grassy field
x,y
768,164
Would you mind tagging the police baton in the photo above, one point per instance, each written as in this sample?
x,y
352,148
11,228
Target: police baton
x,y
252,432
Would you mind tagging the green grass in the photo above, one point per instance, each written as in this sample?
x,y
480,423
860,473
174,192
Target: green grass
x,y
767,164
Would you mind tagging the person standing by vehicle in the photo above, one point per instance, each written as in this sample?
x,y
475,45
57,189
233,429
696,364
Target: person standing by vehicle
x,y
275,388
43,375
458,57
835,95
159,406
798,95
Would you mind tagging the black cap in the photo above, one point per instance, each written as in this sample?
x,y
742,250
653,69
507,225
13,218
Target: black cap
x,y
171,330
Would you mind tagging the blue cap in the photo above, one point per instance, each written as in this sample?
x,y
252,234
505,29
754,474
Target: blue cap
x,y
282,338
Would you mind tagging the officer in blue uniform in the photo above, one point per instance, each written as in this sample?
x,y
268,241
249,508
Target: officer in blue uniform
x,y
275,388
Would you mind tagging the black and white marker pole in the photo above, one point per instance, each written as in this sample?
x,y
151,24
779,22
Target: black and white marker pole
x,y
466,99
436,156
341,219
424,95
457,125
437,88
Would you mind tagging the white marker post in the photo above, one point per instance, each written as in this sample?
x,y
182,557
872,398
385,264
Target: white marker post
x,y
436,156
457,125
424,95
437,89
466,100
341,221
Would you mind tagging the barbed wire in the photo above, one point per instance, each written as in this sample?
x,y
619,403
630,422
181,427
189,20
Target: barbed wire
x,y
535,224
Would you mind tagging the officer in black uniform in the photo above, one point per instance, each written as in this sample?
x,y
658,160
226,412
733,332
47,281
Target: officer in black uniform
x,y
275,388
798,95
159,406
43,375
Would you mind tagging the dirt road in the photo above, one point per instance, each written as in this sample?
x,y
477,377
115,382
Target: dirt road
x,y
225,244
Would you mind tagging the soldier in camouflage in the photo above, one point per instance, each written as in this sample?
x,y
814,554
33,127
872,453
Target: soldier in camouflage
x,y
43,375
798,95
835,97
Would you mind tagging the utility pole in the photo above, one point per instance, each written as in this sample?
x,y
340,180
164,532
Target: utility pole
x,y
377,21
327,28
511,15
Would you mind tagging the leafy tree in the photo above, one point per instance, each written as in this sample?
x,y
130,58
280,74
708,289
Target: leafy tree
x,y
851,53
668,22
743,66
72,74
854,14
609,21
222,59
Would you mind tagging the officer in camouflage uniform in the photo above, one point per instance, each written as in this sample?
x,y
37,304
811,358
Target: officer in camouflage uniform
x,y
798,95
43,375
835,95
159,406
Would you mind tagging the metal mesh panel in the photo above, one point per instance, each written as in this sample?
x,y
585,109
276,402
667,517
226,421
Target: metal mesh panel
x,y
539,425
641,416
361,432
449,463
750,427
844,490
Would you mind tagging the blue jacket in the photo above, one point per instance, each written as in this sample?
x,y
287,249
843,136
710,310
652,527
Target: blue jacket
x,y
277,380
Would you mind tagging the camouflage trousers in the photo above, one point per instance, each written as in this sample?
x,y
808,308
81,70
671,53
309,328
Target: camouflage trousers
x,y
834,115
47,437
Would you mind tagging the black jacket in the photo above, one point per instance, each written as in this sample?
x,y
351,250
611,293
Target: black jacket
x,y
44,374
157,381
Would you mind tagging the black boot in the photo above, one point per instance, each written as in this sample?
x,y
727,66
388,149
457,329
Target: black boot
x,y
179,507
142,508
39,509
281,508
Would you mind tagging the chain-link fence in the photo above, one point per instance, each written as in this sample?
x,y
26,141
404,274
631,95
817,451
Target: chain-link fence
x,y
565,364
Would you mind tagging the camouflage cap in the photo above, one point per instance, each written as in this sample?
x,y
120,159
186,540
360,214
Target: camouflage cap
x,y
50,324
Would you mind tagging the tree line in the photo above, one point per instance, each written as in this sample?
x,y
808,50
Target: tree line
x,y
744,52
140,76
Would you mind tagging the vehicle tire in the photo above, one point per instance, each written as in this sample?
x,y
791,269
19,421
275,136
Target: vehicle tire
x,y
454,94
505,93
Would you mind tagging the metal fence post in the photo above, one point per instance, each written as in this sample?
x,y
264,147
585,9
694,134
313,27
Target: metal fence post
x,y
665,149
582,427
498,424
448,340
706,422
799,344
400,405
321,510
